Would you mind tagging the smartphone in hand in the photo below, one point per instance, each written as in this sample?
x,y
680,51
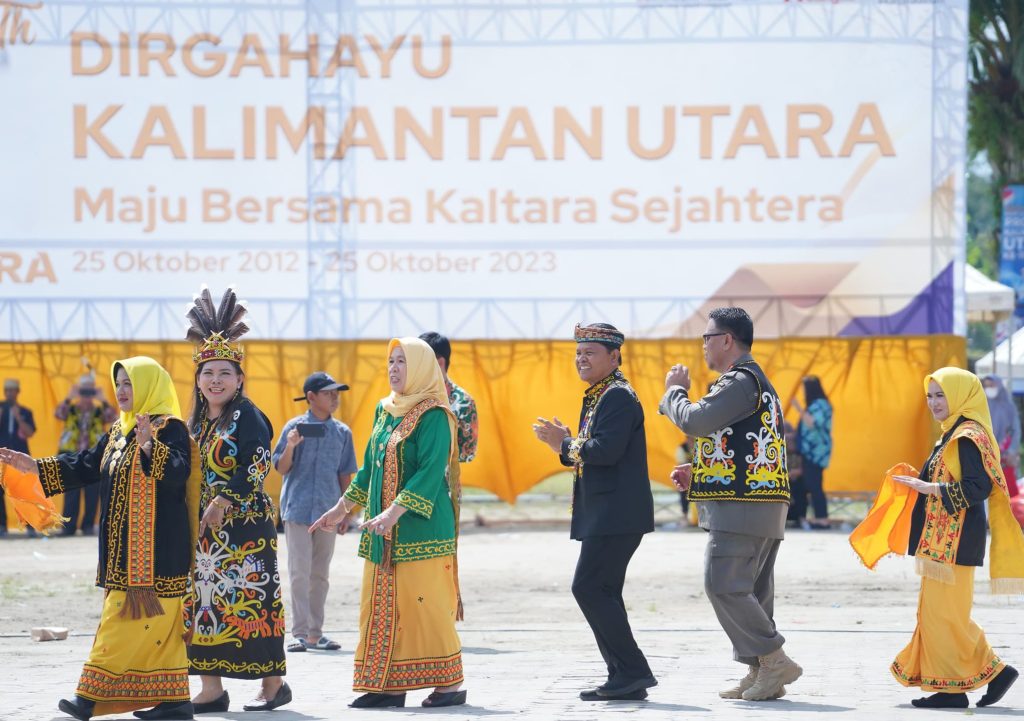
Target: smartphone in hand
x,y
312,430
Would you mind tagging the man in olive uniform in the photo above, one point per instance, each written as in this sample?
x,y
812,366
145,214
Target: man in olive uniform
x,y
740,483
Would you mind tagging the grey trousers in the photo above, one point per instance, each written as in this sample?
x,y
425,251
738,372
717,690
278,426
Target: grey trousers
x,y
739,581
309,561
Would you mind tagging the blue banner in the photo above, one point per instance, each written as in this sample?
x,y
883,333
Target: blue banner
x,y
1011,262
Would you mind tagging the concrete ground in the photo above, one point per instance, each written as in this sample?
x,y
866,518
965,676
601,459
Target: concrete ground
x,y
527,649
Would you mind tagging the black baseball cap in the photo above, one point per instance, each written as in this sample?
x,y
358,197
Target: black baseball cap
x,y
320,381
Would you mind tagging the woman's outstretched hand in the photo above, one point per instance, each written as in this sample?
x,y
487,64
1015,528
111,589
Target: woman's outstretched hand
x,y
931,489
19,461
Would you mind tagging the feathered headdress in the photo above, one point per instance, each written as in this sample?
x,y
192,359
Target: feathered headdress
x,y
215,329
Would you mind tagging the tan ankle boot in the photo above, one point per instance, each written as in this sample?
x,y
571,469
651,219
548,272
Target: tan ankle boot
x,y
744,683
776,670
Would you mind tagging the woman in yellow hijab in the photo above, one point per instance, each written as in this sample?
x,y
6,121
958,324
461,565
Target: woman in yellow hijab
x,y
939,516
148,496
409,488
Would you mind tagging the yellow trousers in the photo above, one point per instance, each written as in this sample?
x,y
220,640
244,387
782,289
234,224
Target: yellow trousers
x,y
407,637
948,652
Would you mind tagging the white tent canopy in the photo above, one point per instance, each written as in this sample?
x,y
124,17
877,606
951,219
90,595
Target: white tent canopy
x,y
1002,357
990,301
986,299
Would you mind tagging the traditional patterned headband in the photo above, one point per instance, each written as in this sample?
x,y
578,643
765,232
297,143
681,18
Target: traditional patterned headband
x,y
596,334
216,348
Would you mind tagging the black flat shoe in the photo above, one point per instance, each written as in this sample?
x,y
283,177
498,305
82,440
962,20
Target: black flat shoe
x,y
80,708
168,710
998,686
942,700
218,705
283,696
379,700
626,686
594,695
444,698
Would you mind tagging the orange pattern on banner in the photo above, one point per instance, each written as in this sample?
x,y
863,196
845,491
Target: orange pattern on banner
x,y
874,384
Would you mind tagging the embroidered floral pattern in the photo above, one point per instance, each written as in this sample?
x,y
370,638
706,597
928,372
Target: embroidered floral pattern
x,y
49,475
141,524
421,673
766,467
357,495
371,674
941,684
422,549
238,593
759,440
163,685
713,461
415,503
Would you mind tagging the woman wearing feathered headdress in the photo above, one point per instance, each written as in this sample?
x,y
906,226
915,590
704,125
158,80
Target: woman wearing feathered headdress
x,y
236,616
148,493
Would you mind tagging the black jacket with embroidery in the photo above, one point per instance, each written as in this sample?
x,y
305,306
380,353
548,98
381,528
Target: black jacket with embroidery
x,y
165,527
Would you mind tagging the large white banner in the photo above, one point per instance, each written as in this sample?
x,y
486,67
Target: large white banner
x,y
492,172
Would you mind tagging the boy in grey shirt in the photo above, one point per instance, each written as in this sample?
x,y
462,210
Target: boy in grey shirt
x,y
316,457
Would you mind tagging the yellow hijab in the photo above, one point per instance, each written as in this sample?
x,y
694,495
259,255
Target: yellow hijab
x,y
152,389
966,397
423,378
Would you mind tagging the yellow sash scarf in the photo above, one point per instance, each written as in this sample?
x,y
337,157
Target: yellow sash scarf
x,y
886,529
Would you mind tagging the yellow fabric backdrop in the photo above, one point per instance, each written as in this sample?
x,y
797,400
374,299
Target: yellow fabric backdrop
x,y
874,384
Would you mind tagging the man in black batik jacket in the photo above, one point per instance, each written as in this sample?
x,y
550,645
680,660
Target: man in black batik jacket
x,y
612,504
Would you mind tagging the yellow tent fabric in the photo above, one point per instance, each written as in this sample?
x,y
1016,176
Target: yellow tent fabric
x,y
874,383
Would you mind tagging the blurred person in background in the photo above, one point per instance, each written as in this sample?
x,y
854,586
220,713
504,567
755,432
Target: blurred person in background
x,y
1006,427
814,440
16,427
86,415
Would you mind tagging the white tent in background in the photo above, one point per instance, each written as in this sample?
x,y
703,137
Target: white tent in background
x,y
990,301
987,300
1010,349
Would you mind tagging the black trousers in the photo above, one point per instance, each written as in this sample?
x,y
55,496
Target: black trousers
x,y
597,586
813,484
71,503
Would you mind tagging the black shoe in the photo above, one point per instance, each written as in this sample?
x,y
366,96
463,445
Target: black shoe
x,y
942,700
80,708
218,705
379,700
621,687
444,698
168,710
998,686
283,696
594,694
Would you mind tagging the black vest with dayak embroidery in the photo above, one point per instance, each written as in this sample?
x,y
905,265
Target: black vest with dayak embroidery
x,y
747,460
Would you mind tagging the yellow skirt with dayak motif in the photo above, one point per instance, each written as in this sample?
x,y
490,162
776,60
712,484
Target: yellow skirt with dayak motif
x,y
407,637
948,652
138,663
